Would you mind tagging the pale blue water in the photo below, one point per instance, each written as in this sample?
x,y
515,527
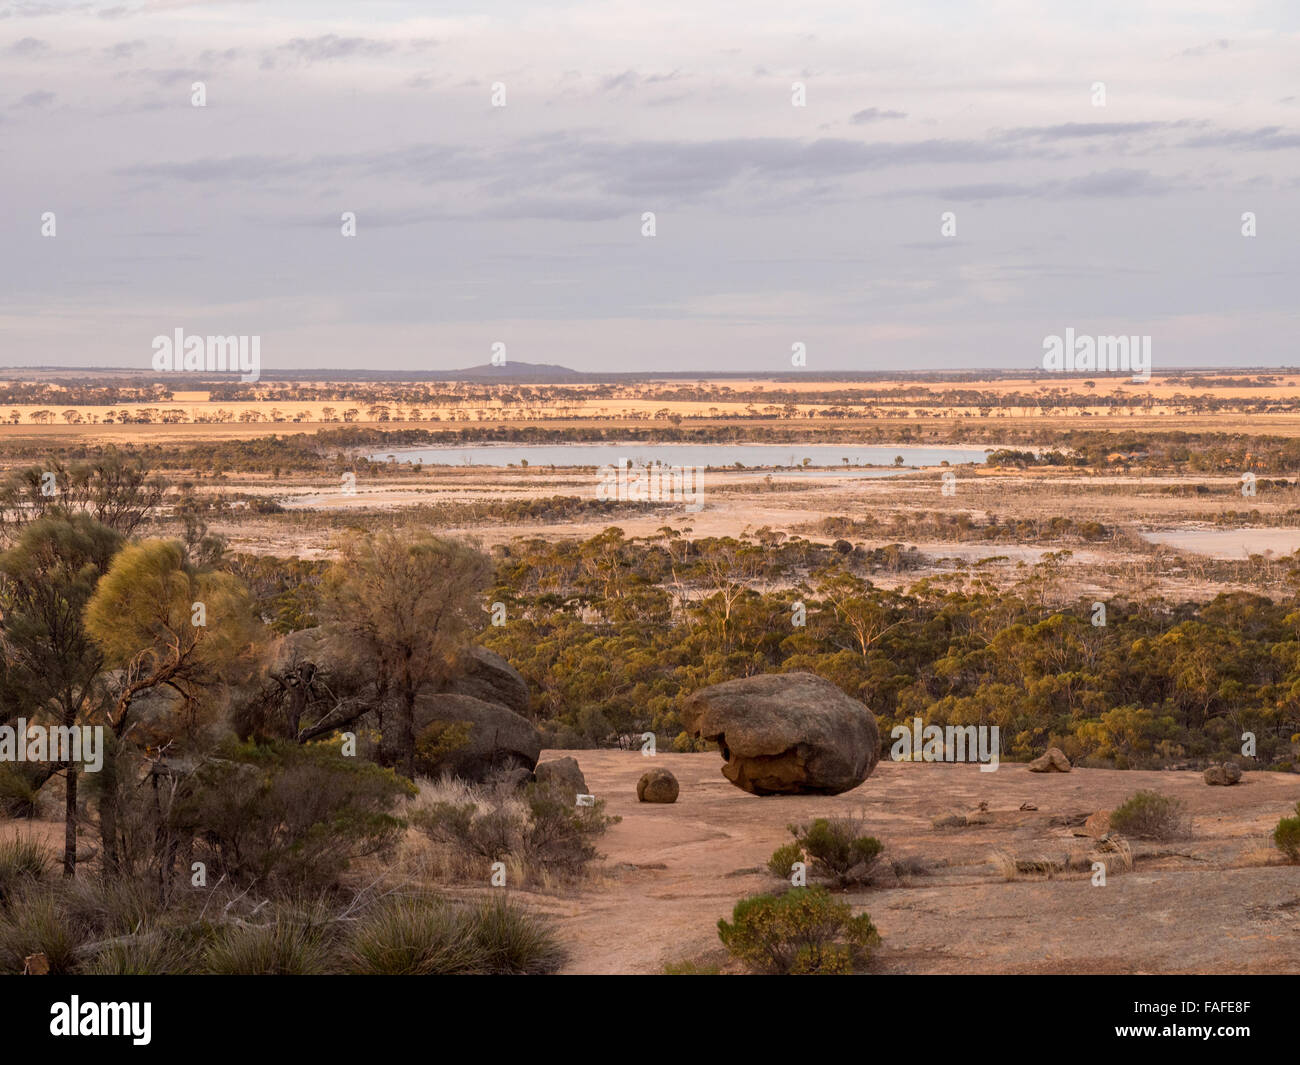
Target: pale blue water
x,y
716,455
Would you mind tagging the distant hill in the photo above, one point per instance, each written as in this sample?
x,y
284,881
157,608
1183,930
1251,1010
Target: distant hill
x,y
523,372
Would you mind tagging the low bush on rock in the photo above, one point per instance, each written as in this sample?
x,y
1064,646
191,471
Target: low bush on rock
x,y
838,849
781,864
804,931
690,968
1150,815
1286,837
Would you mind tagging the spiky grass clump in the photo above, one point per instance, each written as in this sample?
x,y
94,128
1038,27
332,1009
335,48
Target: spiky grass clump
x,y
22,861
34,922
425,936
281,947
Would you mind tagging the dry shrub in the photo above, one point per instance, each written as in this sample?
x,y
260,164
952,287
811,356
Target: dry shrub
x,y
1009,867
542,838
1115,854
1150,815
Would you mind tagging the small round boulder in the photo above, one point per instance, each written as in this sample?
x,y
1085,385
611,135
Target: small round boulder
x,y
657,785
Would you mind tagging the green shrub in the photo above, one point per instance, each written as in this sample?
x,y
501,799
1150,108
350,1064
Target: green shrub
x,y
436,742
783,859
1286,836
804,931
283,812
839,849
1150,815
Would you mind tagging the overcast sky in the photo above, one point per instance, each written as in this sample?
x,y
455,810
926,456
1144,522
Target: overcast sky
x,y
775,224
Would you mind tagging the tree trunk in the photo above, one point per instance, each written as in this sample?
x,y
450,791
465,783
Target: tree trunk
x,y
70,823
108,812
408,736
108,831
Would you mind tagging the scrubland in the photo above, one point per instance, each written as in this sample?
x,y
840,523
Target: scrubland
x,y
966,594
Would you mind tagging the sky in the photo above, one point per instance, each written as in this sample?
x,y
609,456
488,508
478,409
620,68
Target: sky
x,y
774,224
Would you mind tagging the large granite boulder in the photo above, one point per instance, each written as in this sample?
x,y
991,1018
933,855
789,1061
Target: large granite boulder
x,y
314,659
295,648
473,739
786,733
481,674
486,675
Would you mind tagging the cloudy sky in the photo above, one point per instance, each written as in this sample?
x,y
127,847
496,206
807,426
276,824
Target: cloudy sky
x,y
774,224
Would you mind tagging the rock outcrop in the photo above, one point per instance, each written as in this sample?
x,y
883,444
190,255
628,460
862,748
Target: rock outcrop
x,y
487,676
473,739
563,776
476,728
1053,761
